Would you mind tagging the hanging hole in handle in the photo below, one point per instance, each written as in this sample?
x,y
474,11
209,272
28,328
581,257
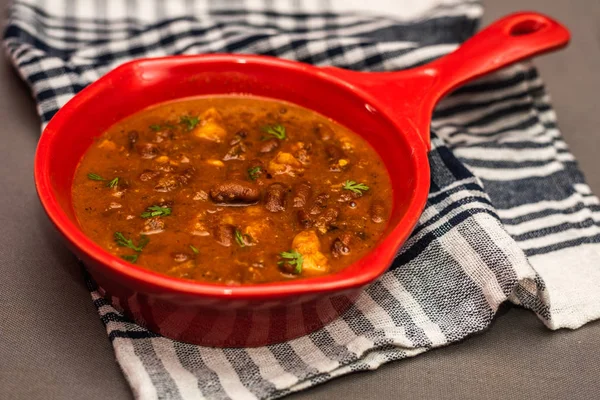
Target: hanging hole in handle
x,y
527,27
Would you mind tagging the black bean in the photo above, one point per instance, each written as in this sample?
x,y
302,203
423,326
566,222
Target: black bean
x,y
302,192
341,245
275,194
235,192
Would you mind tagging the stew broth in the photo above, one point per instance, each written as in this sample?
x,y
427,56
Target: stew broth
x,y
232,190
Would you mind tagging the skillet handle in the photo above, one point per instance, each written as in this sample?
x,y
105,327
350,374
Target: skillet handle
x,y
409,96
506,41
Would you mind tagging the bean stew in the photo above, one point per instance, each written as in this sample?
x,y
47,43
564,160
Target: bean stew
x,y
232,190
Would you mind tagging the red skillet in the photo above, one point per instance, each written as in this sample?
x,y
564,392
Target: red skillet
x,y
392,110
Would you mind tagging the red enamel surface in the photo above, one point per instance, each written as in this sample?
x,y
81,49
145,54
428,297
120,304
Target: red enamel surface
x,y
391,110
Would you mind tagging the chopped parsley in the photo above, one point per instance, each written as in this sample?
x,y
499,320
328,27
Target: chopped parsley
x,y
253,173
242,239
277,131
95,177
124,242
292,258
195,250
132,258
113,182
355,187
156,211
159,127
189,122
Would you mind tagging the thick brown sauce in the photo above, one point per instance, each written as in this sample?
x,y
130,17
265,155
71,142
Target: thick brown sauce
x,y
237,194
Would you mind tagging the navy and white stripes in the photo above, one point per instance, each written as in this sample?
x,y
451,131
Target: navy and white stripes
x,y
509,216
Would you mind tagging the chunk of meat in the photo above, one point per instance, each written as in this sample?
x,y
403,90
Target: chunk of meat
x,y
184,177
268,146
307,243
167,183
302,152
171,181
319,204
346,196
200,195
236,152
147,150
341,245
235,192
210,126
302,192
326,221
377,211
304,219
285,163
153,226
148,175
275,197
224,234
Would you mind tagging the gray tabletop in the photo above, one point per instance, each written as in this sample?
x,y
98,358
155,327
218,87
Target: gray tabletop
x,y
53,345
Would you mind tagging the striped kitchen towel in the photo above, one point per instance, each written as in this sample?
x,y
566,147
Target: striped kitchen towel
x,y
509,216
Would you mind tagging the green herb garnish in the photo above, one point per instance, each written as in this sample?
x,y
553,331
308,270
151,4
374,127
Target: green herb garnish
x,y
292,258
242,239
253,173
277,131
189,122
113,182
124,242
159,127
355,187
195,250
95,177
131,258
156,211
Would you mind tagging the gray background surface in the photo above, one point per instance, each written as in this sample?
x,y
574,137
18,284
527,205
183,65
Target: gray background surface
x,y
53,346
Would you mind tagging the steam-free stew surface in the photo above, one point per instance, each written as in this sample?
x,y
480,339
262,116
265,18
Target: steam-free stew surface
x,y
232,190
